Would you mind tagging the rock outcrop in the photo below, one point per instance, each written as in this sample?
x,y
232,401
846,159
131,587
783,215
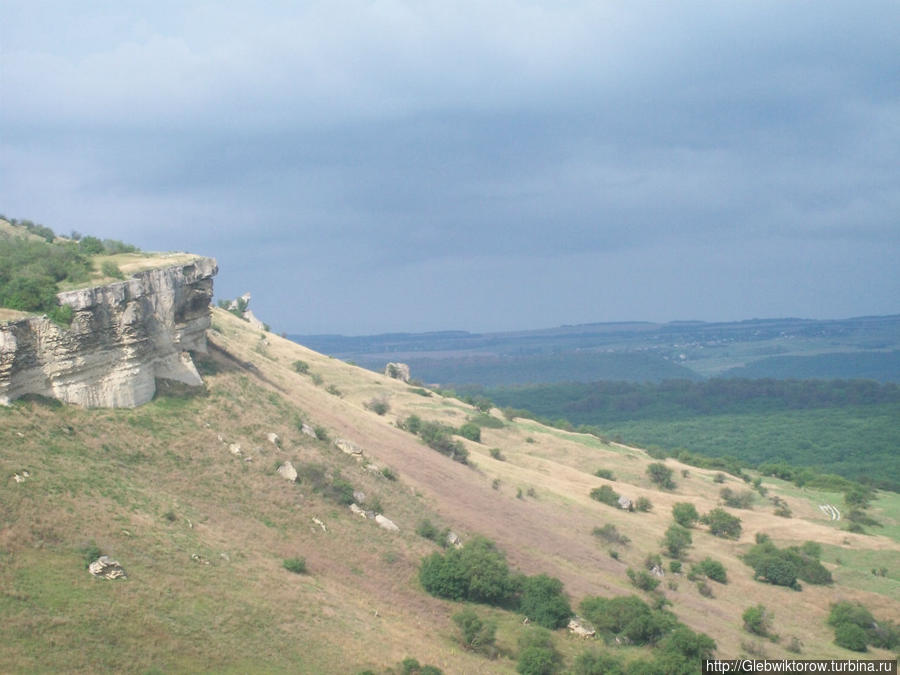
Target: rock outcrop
x,y
123,337
106,568
399,371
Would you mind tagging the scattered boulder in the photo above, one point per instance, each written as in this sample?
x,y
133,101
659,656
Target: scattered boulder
x,y
21,477
658,571
398,371
197,558
273,438
235,449
453,540
625,503
578,628
355,508
320,524
386,523
348,447
359,496
106,568
308,430
288,472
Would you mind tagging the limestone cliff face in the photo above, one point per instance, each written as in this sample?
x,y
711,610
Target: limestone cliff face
x,y
123,337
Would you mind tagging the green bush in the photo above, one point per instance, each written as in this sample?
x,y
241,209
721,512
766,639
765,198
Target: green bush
x,y
605,473
844,614
428,530
610,533
850,636
628,616
660,474
722,524
712,569
476,572
642,580
544,602
594,662
606,495
496,454
301,367
757,620
735,499
676,540
110,269
537,653
379,406
643,504
783,567
476,635
685,514
470,431
295,565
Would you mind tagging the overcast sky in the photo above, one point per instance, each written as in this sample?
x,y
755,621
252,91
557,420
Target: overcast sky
x,y
379,166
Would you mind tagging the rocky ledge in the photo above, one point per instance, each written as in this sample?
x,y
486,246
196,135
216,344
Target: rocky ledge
x,y
122,338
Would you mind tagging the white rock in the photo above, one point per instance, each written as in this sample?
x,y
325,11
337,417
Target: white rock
x,y
288,471
273,438
235,449
308,430
578,628
106,568
347,447
398,371
357,510
386,523
320,524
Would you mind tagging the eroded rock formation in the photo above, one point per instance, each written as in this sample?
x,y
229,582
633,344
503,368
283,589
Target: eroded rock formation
x,y
122,338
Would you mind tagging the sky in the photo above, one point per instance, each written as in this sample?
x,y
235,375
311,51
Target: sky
x,y
368,166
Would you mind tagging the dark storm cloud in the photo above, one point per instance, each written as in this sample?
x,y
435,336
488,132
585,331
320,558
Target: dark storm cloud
x,y
474,165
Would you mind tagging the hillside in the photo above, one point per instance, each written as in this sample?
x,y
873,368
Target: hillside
x,y
203,529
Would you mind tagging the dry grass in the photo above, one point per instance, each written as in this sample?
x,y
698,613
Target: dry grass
x,y
113,476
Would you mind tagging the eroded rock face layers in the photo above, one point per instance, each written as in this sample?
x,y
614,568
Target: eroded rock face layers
x,y
123,336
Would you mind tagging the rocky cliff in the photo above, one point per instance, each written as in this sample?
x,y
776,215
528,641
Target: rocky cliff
x,y
122,338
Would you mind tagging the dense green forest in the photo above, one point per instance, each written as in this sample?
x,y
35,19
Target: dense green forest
x,y
845,427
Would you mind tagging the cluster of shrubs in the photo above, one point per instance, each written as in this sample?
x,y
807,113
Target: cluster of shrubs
x,y
722,524
855,628
478,572
736,499
333,486
438,437
784,566
678,649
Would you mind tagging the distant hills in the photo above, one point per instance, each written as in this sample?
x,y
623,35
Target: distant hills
x,y
861,347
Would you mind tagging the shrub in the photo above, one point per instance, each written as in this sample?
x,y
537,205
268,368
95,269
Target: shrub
x,y
660,474
428,530
90,552
712,569
629,616
719,478
643,504
685,514
722,524
642,580
544,602
333,390
783,567
605,473
295,565
537,654
676,540
301,367
757,620
470,431
684,651
388,473
379,406
606,495
90,245
610,533
675,566
476,635
496,454
850,636
597,663
321,433
704,589
476,572
110,269
736,500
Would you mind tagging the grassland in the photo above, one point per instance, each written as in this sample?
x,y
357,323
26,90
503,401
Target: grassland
x,y
202,533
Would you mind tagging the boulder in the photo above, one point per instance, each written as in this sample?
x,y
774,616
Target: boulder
x,y
398,371
308,430
359,496
576,627
453,540
106,568
235,449
658,571
273,438
625,503
348,447
288,472
320,524
386,523
357,510
21,477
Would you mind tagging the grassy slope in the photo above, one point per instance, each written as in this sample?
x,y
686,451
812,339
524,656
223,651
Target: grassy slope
x,y
112,476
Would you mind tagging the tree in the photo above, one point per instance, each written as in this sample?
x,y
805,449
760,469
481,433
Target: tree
x,y
537,653
476,572
606,495
597,663
660,474
722,524
712,569
850,636
685,514
677,539
470,431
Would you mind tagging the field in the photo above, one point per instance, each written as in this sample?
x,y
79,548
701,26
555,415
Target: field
x,y
203,532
